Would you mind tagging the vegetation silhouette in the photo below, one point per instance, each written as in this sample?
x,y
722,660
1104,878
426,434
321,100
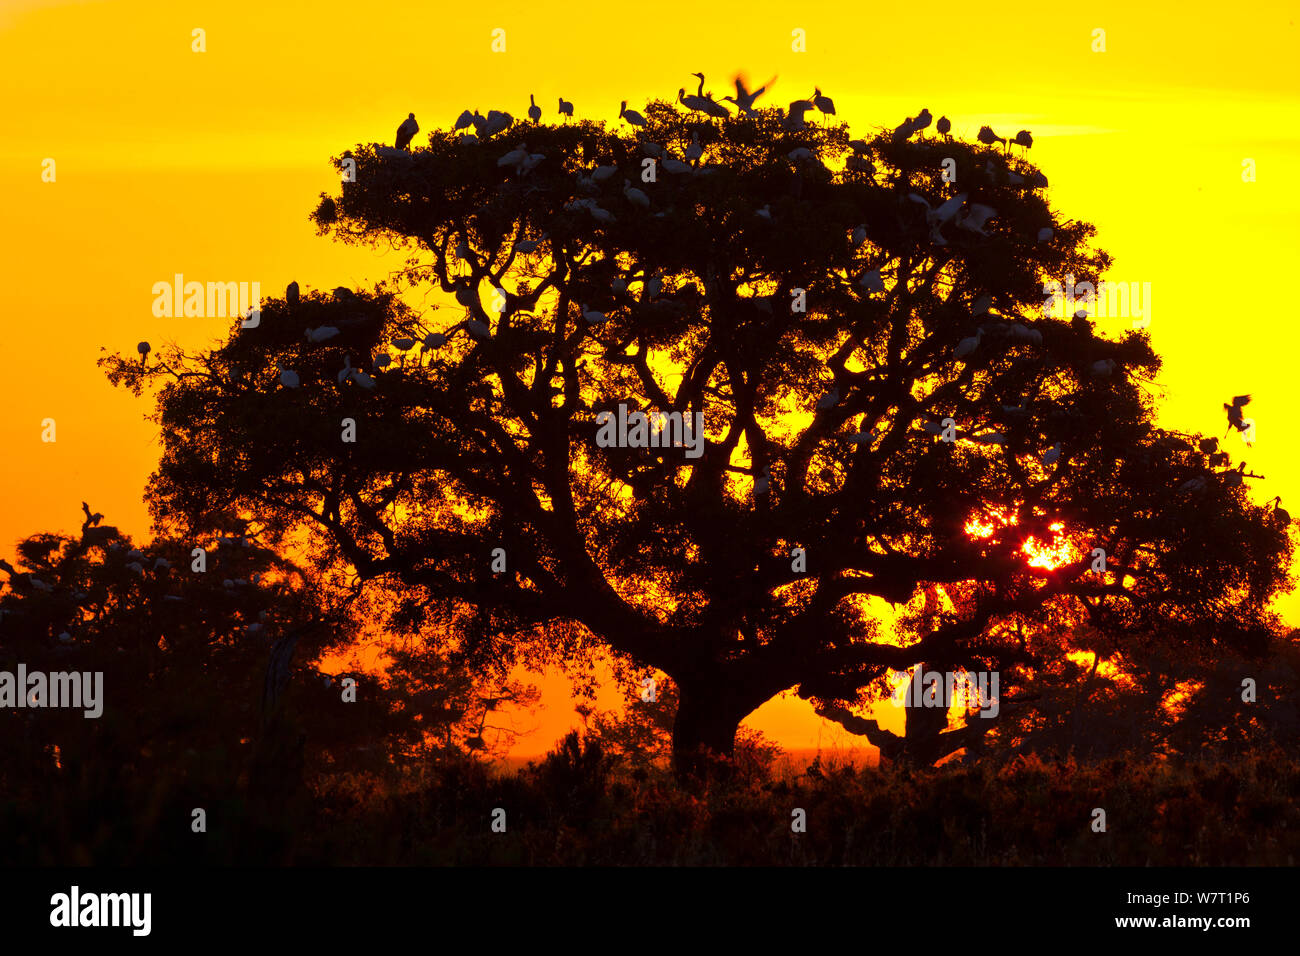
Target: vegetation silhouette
x,y
891,420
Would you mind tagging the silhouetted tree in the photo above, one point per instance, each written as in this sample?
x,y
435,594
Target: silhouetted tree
x,y
822,310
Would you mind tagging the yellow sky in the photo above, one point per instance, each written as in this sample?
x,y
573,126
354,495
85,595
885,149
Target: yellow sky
x,y
207,164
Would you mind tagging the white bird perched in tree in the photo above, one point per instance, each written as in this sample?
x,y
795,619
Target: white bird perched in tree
x,y
143,349
654,285
291,295
675,166
498,122
1044,234
947,210
1023,139
799,154
600,215
465,120
976,217
515,157
872,282
695,150
172,598
968,345
696,104
592,316
477,329
434,340
859,235
830,399
346,371
1194,484
944,126
631,116
635,196
288,377
321,334
136,566
823,103
794,118
1052,455
991,438
764,213
362,379
406,132
534,111
602,173
531,162
404,344
566,108
762,481
65,637
1103,368
988,137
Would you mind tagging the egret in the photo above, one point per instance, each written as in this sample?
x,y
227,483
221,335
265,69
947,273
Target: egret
x,y
695,150
976,217
291,295
534,111
172,598
592,316
515,157
675,166
601,215
1103,368
1234,413
696,104
872,282
321,334
799,154
635,196
465,120
406,132
761,483
362,379
1052,455
944,126
1194,484
632,116
566,108
794,118
602,173
288,377
823,103
968,345
948,209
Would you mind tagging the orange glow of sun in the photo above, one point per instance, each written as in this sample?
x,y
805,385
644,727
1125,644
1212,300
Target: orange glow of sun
x,y
1047,554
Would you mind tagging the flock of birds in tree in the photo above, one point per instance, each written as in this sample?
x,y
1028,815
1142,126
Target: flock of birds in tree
x,y
972,218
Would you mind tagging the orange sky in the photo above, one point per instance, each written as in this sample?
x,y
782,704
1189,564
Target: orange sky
x,y
208,163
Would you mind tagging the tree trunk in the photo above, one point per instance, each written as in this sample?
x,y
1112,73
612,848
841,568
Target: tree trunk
x,y
704,732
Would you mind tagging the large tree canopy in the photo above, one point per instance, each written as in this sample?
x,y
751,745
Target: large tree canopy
x,y
810,298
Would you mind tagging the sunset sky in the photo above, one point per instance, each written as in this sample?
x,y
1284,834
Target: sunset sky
x,y
207,164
